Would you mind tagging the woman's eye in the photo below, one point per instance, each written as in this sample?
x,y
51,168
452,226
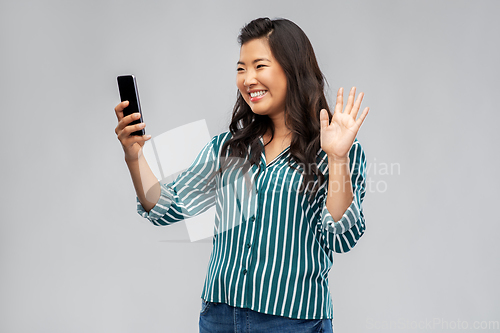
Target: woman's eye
x,y
239,69
259,66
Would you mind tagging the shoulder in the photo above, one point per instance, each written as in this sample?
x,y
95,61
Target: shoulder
x,y
218,141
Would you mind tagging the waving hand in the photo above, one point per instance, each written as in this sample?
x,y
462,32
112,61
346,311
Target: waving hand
x,y
338,135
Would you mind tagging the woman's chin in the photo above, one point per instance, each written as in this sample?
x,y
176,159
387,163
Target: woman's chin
x,y
260,111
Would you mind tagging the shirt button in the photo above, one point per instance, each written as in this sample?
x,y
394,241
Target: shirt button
x,y
244,271
248,246
252,219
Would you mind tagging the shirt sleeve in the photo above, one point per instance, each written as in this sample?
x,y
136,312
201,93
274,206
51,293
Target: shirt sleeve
x,y
341,236
190,194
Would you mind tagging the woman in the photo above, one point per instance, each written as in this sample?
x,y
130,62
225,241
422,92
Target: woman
x,y
287,181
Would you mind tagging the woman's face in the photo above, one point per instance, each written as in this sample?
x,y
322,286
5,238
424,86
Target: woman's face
x,y
260,79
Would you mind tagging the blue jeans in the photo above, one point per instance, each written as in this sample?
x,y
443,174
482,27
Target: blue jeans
x,y
223,318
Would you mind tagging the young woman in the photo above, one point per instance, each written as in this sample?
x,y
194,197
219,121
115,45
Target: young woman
x,y
287,181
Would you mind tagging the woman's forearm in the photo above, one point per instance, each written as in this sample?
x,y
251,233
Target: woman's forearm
x,y
146,185
339,194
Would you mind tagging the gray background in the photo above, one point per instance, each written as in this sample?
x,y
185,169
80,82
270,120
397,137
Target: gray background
x,y
76,257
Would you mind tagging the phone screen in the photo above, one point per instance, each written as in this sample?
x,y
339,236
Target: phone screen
x,y
127,86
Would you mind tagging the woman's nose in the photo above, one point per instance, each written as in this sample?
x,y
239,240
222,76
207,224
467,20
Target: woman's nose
x,y
250,79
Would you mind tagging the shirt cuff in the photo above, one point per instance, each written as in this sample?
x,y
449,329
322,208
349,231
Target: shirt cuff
x,y
161,207
348,220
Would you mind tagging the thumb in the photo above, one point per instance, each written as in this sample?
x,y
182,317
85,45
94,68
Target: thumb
x,y
323,118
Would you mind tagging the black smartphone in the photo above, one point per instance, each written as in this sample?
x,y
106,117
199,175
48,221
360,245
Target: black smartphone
x,y
127,85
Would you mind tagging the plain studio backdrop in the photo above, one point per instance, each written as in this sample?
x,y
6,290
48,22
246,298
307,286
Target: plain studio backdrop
x,y
76,257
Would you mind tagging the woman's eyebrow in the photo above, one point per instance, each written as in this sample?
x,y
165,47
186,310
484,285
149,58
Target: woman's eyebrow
x,y
256,60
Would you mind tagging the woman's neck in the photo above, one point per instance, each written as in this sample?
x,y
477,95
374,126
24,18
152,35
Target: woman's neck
x,y
281,131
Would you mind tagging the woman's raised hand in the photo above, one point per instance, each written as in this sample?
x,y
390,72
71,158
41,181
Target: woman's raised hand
x,y
338,136
131,144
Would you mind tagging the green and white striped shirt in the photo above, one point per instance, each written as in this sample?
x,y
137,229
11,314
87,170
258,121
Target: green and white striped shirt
x,y
272,248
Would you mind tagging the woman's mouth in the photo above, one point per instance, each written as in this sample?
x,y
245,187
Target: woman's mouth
x,y
257,95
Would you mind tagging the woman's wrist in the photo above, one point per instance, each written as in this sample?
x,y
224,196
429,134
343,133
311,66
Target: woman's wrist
x,y
338,159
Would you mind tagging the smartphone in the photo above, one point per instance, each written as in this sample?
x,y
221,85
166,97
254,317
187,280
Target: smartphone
x,y
127,85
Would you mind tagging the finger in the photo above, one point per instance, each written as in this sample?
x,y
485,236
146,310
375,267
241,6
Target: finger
x,y
359,122
340,101
350,100
119,109
143,139
357,105
125,121
323,117
128,130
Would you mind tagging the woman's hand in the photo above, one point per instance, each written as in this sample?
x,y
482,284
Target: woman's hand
x,y
338,136
132,144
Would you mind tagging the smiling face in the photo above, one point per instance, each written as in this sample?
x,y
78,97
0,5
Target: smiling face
x,y
260,79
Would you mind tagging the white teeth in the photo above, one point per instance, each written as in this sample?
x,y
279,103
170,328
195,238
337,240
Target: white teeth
x,y
257,93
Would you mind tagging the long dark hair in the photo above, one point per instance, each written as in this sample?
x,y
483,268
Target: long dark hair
x,y
304,99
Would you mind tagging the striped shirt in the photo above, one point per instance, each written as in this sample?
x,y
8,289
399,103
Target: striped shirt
x,y
272,247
